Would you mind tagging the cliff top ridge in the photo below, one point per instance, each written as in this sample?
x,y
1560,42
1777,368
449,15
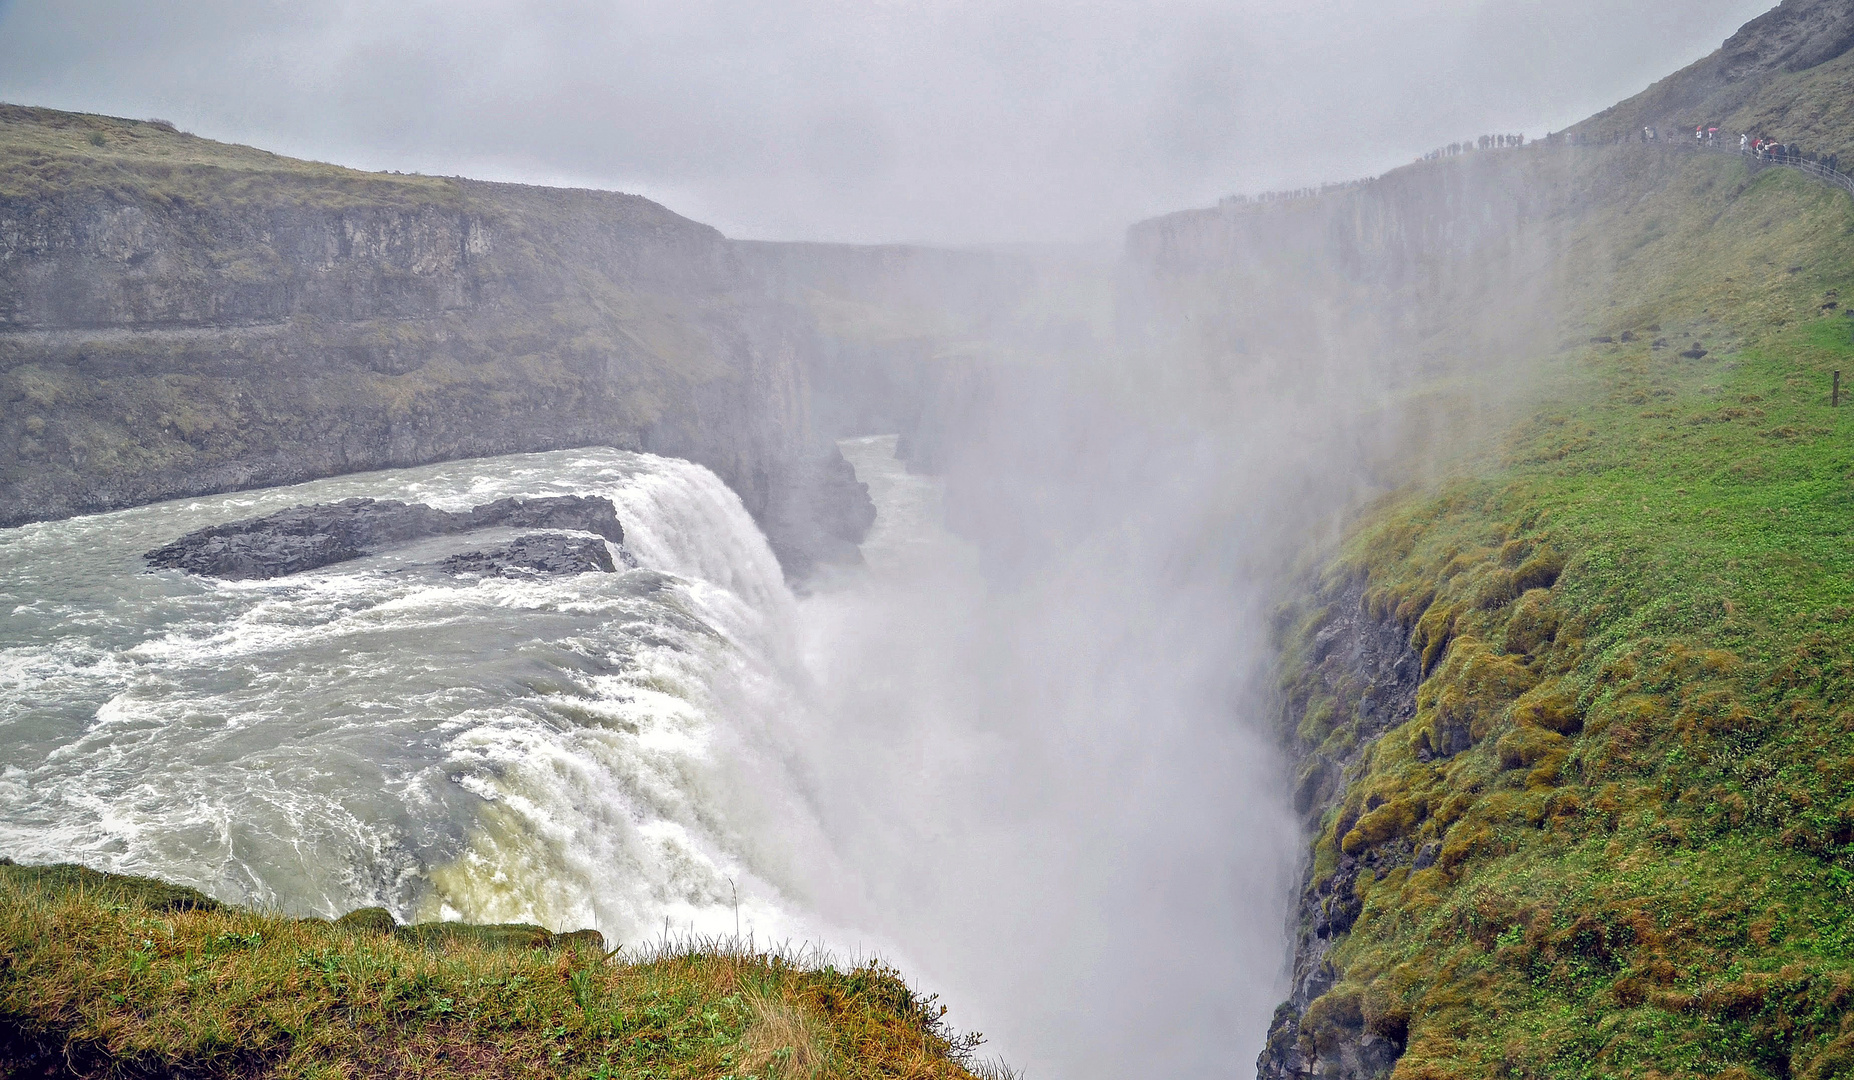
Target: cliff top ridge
x,y
1787,74
50,153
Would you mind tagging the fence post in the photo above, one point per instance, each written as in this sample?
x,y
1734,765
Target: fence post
x,y
1834,395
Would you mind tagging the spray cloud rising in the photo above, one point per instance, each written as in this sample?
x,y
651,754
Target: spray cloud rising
x,y
1025,750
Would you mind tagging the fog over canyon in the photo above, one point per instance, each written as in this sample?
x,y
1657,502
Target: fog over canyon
x,y
942,614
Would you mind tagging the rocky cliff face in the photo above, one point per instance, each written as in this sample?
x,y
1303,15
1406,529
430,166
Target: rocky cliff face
x,y
178,318
1368,664
1420,266
1424,277
1374,295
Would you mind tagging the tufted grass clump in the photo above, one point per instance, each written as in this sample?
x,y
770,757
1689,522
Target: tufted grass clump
x,y
106,975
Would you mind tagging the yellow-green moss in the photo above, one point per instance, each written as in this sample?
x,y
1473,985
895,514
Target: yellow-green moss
x,y
123,976
1638,605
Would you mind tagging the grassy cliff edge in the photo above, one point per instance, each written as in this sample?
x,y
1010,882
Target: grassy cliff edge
x,y
102,974
1612,833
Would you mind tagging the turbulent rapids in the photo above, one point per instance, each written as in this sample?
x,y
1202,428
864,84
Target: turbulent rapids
x,y
567,750
976,772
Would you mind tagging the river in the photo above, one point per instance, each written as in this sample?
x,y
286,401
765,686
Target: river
x,y
1001,785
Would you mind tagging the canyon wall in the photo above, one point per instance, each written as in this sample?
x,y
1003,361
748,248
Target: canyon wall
x,y
180,317
1490,330
1399,317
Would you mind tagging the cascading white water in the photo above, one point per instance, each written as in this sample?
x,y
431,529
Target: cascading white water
x,y
576,751
1018,790
1048,778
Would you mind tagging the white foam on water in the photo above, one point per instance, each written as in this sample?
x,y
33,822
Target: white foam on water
x,y
596,750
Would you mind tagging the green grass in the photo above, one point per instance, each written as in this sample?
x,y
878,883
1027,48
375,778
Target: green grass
x,y
128,976
1636,600
45,154
1813,108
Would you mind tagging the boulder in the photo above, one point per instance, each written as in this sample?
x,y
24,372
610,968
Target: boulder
x,y
594,514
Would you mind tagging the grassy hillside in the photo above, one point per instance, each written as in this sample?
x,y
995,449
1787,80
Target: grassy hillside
x,y
1786,75
45,153
107,975
1634,611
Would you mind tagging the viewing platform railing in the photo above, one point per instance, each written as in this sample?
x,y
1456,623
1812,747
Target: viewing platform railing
x,y
1787,161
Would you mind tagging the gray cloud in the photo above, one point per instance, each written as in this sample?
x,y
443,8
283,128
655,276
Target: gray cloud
x,y
830,119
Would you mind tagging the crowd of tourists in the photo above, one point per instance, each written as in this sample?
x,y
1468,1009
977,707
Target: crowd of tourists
x,y
1786,153
1759,147
1485,142
1765,150
1709,137
1234,201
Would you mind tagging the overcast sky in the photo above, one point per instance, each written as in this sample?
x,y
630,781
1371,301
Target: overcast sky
x,y
861,120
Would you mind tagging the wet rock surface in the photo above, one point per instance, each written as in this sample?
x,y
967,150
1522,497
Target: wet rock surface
x,y
1375,656
307,537
821,517
535,554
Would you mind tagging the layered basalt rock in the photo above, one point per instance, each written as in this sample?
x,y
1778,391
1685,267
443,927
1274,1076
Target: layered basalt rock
x,y
307,537
180,317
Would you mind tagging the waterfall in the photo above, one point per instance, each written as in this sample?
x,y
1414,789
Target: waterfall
x,y
592,750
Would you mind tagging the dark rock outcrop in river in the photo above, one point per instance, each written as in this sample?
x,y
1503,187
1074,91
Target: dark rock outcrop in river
x,y
306,537
536,553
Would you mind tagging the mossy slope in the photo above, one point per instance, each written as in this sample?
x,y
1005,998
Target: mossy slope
x,y
1617,836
